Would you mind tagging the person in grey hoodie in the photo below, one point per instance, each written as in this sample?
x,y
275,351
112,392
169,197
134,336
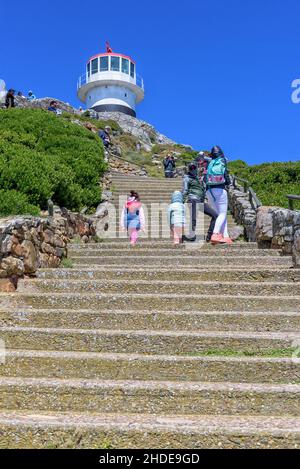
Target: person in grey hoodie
x,y
194,193
176,217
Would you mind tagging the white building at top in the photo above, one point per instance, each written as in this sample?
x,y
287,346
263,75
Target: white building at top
x,y
111,83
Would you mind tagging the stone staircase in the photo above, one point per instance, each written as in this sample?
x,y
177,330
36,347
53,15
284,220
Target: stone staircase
x,y
153,346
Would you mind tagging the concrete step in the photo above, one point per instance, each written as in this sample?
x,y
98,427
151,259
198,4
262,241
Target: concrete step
x,y
184,251
146,200
185,273
151,301
164,244
118,209
147,244
148,342
147,189
187,260
188,287
261,321
89,430
147,241
152,230
147,181
164,226
178,368
146,397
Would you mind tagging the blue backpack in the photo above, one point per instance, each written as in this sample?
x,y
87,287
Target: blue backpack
x,y
216,172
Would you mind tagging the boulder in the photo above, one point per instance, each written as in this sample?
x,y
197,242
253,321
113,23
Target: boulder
x,y
13,266
7,285
30,257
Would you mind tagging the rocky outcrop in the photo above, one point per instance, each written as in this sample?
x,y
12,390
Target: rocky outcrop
x,y
28,243
44,103
144,132
279,228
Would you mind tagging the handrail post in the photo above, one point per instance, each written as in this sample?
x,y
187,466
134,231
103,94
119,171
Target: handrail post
x,y
291,203
50,208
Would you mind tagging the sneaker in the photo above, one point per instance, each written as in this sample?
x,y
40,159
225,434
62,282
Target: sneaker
x,y
228,240
190,240
217,238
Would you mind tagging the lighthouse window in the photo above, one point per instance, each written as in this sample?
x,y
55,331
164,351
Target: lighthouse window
x,y
125,66
132,69
94,66
115,64
104,64
88,69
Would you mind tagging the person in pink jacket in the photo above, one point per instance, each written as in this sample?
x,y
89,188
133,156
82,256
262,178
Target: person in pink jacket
x,y
133,218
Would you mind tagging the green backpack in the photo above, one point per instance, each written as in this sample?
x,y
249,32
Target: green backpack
x,y
216,172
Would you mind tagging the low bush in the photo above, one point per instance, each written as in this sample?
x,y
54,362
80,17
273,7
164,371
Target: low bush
x,y
99,123
271,181
14,203
44,156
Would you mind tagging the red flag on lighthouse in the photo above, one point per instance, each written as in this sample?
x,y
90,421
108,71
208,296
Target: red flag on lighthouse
x,y
108,48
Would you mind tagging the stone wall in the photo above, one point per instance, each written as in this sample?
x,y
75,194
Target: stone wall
x,y
28,243
242,211
120,165
279,228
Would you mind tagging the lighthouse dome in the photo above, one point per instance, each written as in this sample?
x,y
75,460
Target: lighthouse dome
x,y
110,83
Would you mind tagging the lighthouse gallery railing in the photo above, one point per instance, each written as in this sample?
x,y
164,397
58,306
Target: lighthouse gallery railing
x,y
84,79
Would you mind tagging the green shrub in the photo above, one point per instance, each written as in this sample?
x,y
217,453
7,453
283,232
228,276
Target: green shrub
x,y
271,181
44,156
14,203
99,123
66,263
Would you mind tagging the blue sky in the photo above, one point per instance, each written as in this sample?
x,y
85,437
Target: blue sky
x,y
216,72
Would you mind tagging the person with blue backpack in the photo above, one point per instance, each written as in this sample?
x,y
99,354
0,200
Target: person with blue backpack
x,y
217,183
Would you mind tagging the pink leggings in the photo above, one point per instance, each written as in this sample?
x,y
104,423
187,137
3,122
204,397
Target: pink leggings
x,y
133,235
176,233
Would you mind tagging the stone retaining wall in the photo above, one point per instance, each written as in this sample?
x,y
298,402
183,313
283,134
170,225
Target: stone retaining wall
x,y
242,211
125,167
279,228
28,243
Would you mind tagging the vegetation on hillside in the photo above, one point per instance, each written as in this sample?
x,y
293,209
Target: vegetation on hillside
x,y
99,123
271,181
153,161
44,156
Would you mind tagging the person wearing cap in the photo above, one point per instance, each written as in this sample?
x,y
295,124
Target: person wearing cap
x,y
31,96
105,136
10,99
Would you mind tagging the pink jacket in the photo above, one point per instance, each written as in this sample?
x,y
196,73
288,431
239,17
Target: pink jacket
x,y
131,207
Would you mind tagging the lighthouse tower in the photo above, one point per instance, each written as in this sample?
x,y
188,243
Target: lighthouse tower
x,y
110,83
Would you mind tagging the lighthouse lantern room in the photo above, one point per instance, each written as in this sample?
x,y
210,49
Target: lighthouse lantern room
x,y
111,83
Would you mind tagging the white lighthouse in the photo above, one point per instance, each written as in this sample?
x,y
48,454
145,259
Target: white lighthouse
x,y
111,83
